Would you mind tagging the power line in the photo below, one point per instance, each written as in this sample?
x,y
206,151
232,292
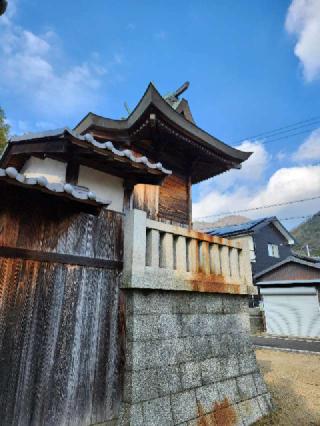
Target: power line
x,y
291,130
281,219
299,217
267,206
288,127
287,136
283,129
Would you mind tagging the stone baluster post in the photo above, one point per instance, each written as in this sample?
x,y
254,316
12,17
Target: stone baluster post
x,y
135,246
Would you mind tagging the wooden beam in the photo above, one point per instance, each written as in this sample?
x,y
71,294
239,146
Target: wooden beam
x,y
45,147
66,259
128,192
189,183
72,172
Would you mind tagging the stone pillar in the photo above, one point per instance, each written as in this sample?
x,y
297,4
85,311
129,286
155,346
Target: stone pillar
x,y
135,242
167,251
245,266
153,245
204,257
215,259
193,261
181,254
225,261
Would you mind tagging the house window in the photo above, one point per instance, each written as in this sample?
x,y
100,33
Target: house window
x,y
273,250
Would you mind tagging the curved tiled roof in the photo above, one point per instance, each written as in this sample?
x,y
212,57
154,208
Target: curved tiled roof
x,y
107,145
153,97
42,184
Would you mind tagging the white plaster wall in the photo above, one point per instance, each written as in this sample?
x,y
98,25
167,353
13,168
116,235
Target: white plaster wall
x,y
53,170
104,185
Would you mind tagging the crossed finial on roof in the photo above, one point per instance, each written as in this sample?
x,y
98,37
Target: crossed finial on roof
x,y
181,89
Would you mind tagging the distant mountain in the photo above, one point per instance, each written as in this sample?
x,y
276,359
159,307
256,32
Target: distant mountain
x,y
308,233
225,221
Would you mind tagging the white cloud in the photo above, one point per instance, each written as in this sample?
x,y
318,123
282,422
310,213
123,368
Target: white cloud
x,y
252,170
303,20
34,69
310,149
286,184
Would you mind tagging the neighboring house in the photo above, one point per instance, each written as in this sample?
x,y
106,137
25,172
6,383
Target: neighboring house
x,y
291,297
269,241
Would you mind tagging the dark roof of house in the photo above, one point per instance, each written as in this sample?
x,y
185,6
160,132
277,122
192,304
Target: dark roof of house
x,y
249,227
305,261
153,109
241,228
57,142
315,260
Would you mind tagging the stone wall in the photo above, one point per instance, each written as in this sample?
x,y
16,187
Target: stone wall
x,y
189,361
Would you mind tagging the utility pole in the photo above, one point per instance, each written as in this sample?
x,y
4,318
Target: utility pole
x,y
3,6
307,249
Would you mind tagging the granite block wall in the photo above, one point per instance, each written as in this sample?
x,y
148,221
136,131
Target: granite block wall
x,y
189,361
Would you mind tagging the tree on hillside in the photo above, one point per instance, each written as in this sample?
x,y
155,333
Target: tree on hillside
x,y
4,130
308,233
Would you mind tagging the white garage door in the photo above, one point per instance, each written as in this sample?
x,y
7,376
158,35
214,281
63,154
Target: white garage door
x,y
292,311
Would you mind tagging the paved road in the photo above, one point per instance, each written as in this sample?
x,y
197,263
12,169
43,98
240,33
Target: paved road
x,y
286,343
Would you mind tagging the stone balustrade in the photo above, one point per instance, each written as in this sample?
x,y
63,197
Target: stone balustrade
x,y
162,256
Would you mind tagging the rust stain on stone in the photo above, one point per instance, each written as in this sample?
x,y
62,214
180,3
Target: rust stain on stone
x,y
204,276
223,414
213,284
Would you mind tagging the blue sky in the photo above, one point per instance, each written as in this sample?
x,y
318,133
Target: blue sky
x,y
253,67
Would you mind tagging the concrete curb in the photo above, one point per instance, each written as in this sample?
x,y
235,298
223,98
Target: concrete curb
x,y
300,339
286,350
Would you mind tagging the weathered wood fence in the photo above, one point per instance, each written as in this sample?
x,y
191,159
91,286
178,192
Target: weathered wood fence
x,y
60,333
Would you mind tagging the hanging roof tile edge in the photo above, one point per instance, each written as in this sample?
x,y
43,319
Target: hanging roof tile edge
x,y
41,183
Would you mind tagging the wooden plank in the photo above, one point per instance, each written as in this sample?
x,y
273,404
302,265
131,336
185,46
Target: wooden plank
x,y
34,223
174,200
60,337
146,197
60,344
66,259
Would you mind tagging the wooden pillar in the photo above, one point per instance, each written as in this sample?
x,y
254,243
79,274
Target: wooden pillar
x,y
128,196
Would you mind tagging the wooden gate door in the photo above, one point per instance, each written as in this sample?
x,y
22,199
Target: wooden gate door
x,y
60,351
